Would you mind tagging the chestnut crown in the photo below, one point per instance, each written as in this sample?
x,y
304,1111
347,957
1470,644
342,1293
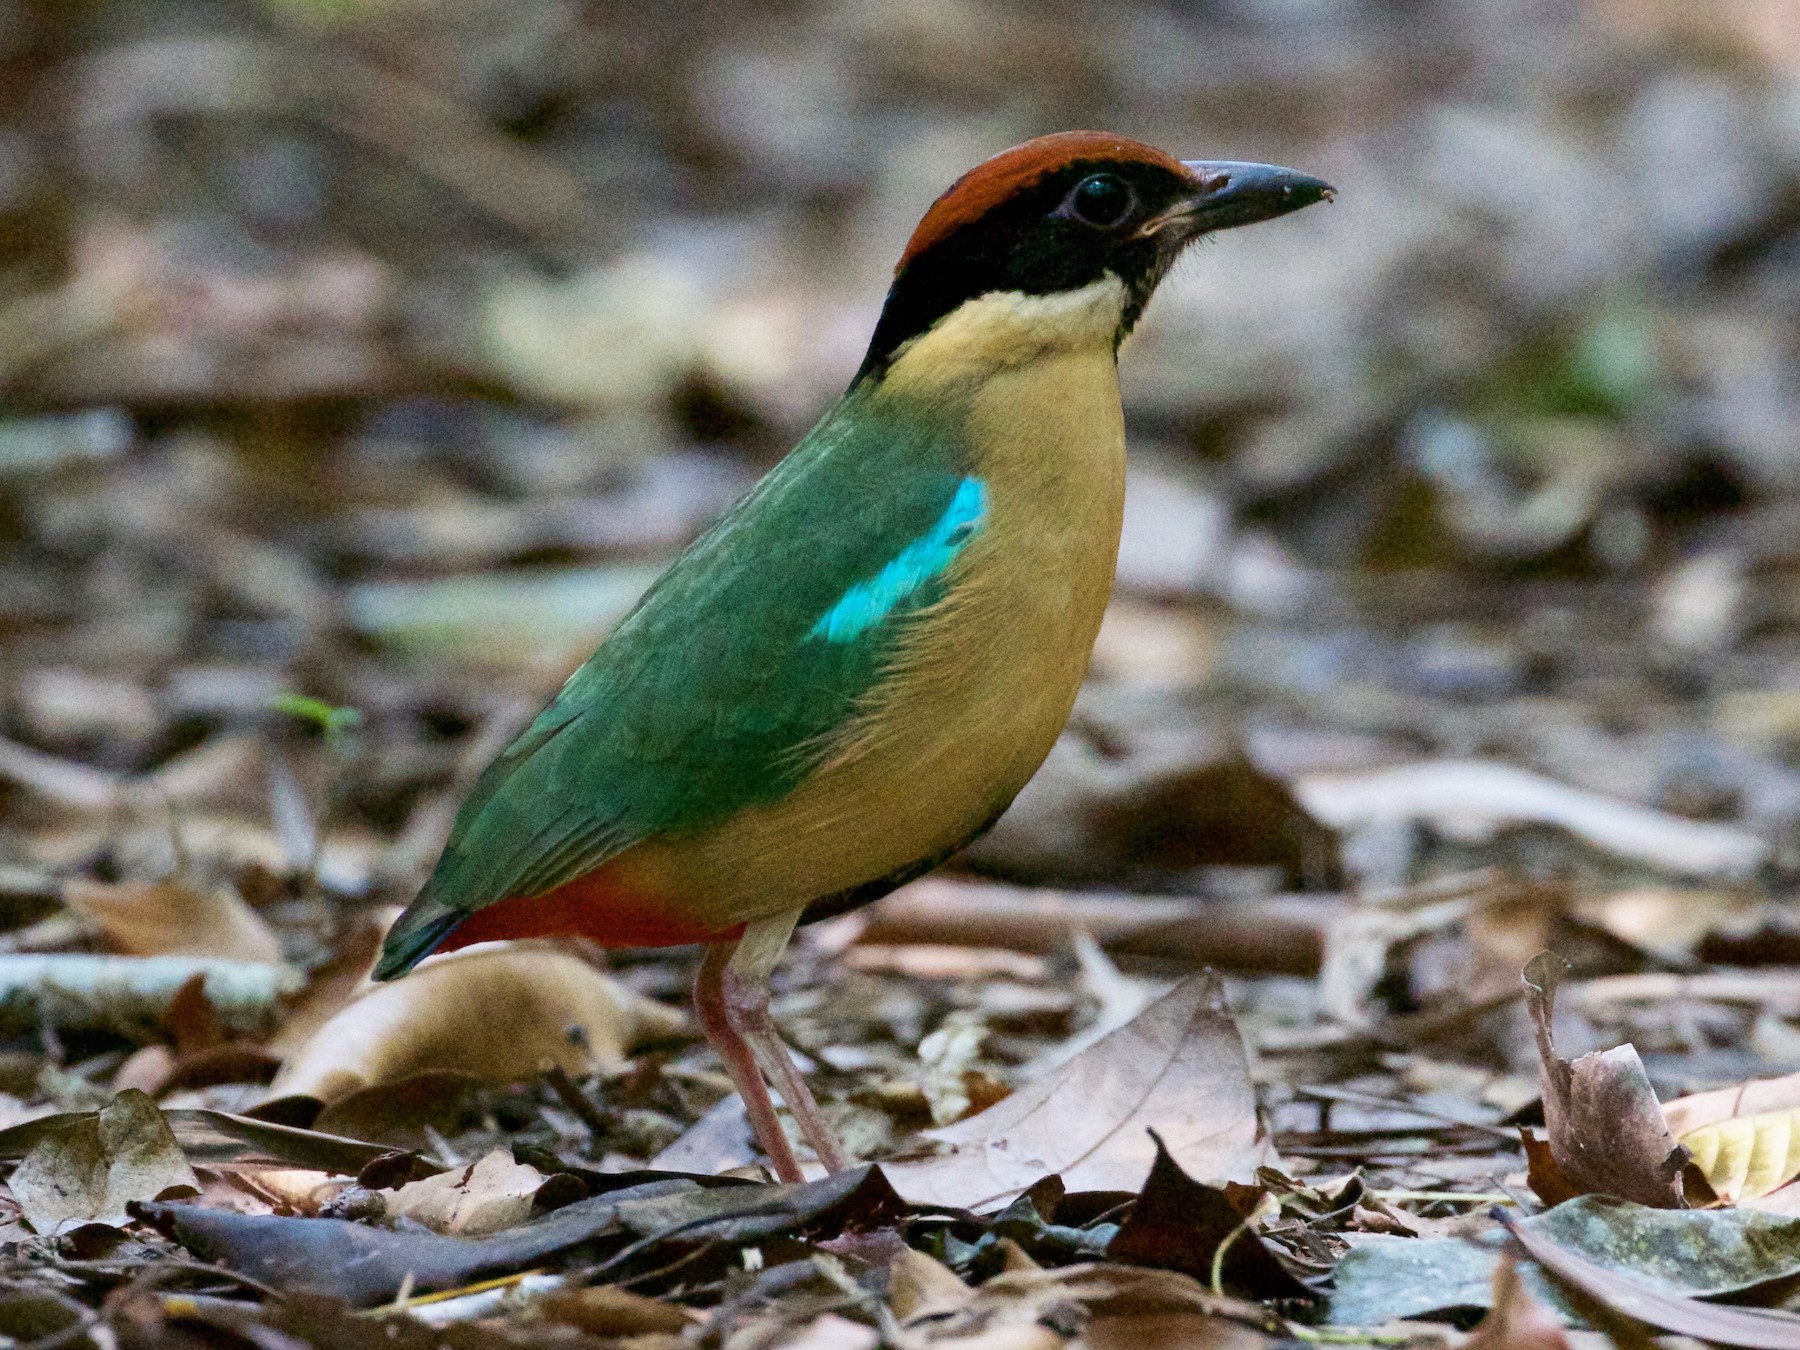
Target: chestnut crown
x,y
1061,212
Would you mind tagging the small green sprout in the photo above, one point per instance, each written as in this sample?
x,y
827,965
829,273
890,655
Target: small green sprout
x,y
333,721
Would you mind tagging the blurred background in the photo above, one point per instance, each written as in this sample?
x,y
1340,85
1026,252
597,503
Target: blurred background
x,y
361,361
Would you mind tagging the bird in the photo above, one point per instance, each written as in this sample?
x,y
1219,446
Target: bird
x,y
852,673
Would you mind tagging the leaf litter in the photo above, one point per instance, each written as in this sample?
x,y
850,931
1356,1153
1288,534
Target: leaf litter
x,y
1408,679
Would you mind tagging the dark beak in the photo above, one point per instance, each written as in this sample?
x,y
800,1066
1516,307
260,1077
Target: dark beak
x,y
1231,194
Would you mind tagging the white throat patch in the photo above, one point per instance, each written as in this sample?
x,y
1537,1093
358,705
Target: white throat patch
x,y
1010,328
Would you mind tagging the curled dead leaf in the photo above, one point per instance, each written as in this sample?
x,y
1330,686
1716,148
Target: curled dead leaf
x,y
499,1014
1178,1223
1607,1131
1747,1157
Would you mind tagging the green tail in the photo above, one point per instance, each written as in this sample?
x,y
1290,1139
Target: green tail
x,y
415,935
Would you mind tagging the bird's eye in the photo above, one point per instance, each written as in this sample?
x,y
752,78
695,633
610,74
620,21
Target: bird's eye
x,y
1101,200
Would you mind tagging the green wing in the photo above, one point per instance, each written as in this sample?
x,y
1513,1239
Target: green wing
x,y
708,697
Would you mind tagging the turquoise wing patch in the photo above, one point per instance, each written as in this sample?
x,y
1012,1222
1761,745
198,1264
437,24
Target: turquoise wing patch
x,y
756,646
870,601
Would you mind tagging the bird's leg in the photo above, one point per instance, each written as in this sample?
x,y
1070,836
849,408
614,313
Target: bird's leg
x,y
747,1005
735,981
740,1061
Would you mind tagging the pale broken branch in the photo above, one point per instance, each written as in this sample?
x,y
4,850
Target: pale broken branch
x,y
1279,934
73,989
1474,800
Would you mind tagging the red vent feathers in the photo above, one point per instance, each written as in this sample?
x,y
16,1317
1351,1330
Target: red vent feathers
x,y
991,182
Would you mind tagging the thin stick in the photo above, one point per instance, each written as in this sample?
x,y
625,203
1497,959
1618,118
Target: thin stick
x,y
579,1103
1354,1098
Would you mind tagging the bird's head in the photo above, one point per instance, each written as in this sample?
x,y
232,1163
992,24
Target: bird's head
x,y
1074,229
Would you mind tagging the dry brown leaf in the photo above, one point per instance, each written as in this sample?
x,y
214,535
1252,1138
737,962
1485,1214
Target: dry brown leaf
x,y
1167,1331
403,1114
1747,1157
93,1166
473,1201
1541,1172
1517,1321
919,1286
1178,1223
607,1310
1606,1128
191,1020
171,918
1179,1068
499,1014
1699,1109
254,1188
301,1189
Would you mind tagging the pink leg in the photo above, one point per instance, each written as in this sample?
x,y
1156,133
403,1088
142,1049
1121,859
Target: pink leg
x,y
740,1061
732,1000
747,1004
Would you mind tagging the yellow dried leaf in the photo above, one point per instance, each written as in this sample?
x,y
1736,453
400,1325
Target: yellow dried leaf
x,y
1743,1138
170,918
1746,1157
498,1014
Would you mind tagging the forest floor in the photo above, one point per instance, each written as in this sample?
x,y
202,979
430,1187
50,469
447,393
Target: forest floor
x,y
1399,948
